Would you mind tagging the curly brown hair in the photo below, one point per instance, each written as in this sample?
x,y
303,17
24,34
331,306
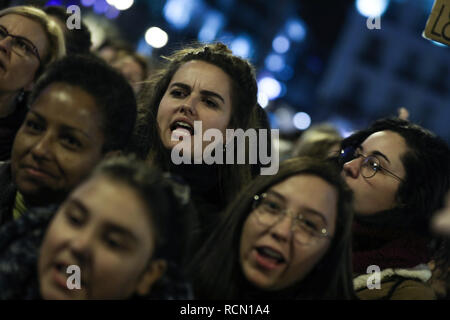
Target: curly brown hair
x,y
147,143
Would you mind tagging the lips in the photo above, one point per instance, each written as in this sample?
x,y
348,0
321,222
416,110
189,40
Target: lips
x,y
268,257
184,126
61,275
37,172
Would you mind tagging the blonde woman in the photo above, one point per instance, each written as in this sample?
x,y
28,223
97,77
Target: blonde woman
x,y
29,41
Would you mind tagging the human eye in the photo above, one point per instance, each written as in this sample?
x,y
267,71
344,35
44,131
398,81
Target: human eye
x,y
74,217
33,126
373,164
23,45
309,224
70,141
272,206
178,93
115,242
211,103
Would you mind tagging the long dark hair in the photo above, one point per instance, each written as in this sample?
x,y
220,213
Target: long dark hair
x,y
216,271
147,143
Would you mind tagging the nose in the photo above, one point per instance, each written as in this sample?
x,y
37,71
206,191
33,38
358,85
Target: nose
x,y
352,168
42,149
81,245
6,45
282,230
189,105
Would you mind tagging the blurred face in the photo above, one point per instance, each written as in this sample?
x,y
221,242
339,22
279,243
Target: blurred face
x,y
108,54
131,70
105,229
58,144
271,259
378,193
17,72
198,91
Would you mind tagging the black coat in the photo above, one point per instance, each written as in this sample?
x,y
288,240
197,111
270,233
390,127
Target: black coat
x,y
7,193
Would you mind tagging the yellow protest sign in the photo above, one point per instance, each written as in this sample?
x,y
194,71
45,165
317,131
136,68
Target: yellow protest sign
x,y
438,24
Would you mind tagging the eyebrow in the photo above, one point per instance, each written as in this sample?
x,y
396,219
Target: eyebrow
x,y
377,153
17,36
64,126
112,226
122,231
305,209
74,202
205,92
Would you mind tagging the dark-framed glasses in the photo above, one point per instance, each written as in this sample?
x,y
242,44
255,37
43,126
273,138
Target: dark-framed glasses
x,y
370,165
20,45
307,229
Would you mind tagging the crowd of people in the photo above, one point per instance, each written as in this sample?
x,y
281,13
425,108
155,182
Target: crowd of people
x,y
88,180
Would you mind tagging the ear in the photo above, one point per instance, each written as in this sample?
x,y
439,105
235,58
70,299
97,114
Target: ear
x,y
112,154
154,272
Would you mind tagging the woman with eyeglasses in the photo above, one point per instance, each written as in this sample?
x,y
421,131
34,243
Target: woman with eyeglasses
x,y
29,41
399,173
286,236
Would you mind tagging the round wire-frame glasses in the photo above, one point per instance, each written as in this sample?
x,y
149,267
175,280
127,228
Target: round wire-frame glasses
x,y
305,230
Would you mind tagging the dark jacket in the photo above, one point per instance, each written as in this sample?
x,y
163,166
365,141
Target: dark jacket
x,y
7,193
8,130
20,240
400,255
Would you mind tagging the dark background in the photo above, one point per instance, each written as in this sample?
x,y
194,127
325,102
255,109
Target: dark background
x,y
340,72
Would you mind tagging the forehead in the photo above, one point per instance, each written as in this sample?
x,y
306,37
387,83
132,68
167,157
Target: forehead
x,y
129,63
69,105
26,27
112,202
310,191
389,143
203,74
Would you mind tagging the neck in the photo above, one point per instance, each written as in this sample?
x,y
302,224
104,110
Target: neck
x,y
7,103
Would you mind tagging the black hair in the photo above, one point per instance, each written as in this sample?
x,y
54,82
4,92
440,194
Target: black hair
x,y
427,168
111,91
78,41
216,271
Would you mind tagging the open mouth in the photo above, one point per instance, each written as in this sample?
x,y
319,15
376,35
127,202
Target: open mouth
x,y
61,269
182,126
271,254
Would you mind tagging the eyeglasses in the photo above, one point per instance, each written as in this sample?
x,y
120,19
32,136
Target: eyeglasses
x,y
269,210
20,45
371,165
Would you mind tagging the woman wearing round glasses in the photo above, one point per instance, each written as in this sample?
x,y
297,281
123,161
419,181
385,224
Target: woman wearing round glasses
x,y
286,236
399,173
29,41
